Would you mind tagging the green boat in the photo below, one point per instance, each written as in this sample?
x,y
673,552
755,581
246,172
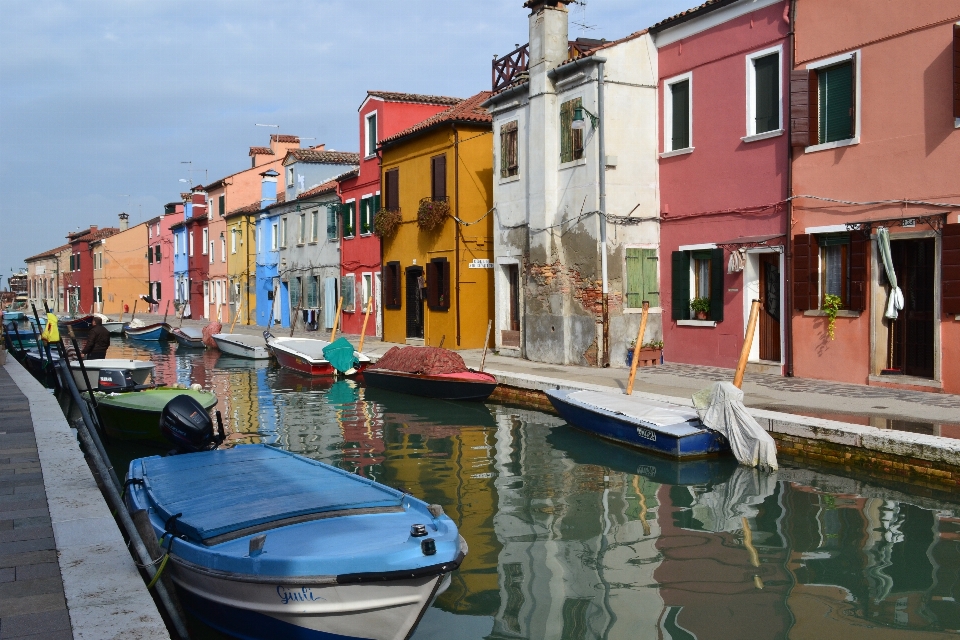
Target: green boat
x,y
136,415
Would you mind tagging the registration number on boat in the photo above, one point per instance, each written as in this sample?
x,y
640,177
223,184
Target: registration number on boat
x,y
646,433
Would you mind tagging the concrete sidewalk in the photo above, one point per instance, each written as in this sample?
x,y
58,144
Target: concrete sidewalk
x,y
934,413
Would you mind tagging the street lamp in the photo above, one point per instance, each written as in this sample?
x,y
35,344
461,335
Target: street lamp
x,y
579,122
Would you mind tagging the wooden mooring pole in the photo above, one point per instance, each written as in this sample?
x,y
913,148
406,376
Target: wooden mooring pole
x,y
747,343
366,318
636,347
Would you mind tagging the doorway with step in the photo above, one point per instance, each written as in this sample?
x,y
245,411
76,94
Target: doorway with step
x,y
913,344
414,302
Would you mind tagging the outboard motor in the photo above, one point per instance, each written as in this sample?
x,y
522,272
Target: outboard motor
x,y
116,380
186,424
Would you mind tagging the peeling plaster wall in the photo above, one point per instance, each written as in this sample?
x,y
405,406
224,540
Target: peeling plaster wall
x,y
560,266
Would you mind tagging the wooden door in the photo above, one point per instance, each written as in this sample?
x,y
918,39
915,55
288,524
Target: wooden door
x,y
770,307
414,302
511,337
913,333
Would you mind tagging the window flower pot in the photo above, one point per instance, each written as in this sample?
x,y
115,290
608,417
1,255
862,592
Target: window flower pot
x,y
647,357
701,315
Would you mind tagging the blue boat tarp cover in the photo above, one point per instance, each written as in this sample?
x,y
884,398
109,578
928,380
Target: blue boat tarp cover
x,y
221,492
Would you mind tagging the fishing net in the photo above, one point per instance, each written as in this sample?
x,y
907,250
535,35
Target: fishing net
x,y
430,361
209,331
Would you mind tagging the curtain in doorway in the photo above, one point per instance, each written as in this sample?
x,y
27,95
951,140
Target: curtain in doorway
x,y
895,299
329,301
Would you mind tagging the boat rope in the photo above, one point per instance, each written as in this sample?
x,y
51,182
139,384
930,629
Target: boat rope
x,y
159,572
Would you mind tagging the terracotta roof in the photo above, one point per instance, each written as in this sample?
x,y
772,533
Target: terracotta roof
x,y
97,235
327,187
468,110
214,185
529,4
48,254
253,207
689,14
323,157
281,137
394,96
281,197
261,151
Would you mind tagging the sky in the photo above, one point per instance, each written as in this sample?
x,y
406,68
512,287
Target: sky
x,y
106,105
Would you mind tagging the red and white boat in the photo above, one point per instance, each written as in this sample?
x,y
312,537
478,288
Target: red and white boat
x,y
305,355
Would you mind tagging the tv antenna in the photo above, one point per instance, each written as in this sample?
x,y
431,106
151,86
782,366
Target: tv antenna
x,y
582,11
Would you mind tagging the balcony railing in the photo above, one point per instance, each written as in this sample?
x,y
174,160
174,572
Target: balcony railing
x,y
513,66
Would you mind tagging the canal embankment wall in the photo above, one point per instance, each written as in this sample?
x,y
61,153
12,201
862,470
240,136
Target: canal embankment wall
x,y
929,461
105,595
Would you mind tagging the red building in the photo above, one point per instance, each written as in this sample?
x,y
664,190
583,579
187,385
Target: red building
x,y
382,115
160,254
724,154
78,279
198,253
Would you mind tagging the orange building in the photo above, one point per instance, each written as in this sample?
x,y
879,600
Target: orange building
x,y
120,269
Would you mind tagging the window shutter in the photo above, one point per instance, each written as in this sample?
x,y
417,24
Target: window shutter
x,y
680,102
392,189
504,150
444,269
835,104
391,287
804,272
433,293
858,272
681,285
566,131
950,269
376,205
634,292
800,129
651,281
767,93
716,285
956,71
438,172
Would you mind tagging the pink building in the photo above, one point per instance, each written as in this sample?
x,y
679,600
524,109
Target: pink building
x,y
875,98
724,155
160,257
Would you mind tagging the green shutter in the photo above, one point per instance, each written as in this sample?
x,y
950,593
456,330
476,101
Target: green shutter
x,y
767,105
680,94
332,222
634,292
681,285
716,285
836,102
503,152
651,280
566,129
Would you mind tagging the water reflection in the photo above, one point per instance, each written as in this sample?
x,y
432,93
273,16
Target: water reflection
x,y
572,537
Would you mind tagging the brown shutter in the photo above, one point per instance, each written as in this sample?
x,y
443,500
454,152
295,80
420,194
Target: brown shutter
x,y
858,272
433,292
804,272
444,284
392,189
391,276
800,130
950,269
956,71
438,171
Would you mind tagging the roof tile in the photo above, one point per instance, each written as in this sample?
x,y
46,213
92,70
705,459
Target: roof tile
x,y
468,110
261,151
395,96
323,157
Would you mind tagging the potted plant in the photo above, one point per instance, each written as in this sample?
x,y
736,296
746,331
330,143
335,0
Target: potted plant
x,y
831,304
651,353
700,307
432,213
386,222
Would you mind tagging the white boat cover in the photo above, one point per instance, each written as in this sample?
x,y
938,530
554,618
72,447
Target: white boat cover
x,y
660,414
721,408
136,323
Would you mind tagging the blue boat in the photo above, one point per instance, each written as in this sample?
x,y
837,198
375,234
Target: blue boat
x,y
663,428
264,543
152,332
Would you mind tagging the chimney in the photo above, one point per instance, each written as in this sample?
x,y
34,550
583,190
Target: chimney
x,y
268,188
548,36
93,228
124,221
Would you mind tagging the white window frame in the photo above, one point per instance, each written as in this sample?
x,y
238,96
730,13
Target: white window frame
x,y
274,236
211,252
282,243
206,241
370,150
668,149
352,277
191,244
315,227
356,221
233,240
302,228
365,201
752,135
857,101
291,176
176,244
366,289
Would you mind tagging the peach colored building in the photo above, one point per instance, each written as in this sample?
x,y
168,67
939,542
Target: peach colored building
x,y
121,273
228,194
875,133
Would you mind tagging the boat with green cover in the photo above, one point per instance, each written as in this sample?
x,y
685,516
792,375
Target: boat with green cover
x,y
136,415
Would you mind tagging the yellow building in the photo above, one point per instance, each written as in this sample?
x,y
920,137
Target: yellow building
x,y
242,263
120,269
438,282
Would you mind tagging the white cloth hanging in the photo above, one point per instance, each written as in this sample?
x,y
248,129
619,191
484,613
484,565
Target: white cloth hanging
x,y
895,298
735,264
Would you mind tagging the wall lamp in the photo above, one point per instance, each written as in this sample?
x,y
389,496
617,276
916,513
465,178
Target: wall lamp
x,y
579,122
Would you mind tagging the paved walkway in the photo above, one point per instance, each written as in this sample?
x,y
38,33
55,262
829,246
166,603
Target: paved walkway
x,y
32,602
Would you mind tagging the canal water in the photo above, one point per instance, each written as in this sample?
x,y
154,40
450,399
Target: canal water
x,y
574,538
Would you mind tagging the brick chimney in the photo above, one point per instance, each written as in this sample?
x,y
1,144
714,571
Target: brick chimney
x,y
124,221
93,228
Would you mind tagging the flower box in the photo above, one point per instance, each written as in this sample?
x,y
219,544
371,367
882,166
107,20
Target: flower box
x,y
648,357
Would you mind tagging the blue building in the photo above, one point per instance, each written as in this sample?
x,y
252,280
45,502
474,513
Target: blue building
x,y
181,255
269,234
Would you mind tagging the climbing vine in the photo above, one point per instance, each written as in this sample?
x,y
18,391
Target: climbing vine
x,y
831,305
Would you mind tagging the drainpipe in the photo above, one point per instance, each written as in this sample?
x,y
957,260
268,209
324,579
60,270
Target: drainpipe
x,y
456,227
601,132
788,261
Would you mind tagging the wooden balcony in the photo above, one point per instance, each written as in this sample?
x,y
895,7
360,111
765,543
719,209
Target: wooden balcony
x,y
513,67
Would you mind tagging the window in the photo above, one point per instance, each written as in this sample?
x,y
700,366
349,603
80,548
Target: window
x,y
72,258
835,89
678,113
332,233
391,285
149,255
211,251
438,284
438,177
302,228
223,248
191,244
176,244
349,212
370,147
571,140
697,274
282,242
290,176
830,263
149,231
275,235
158,296
98,294
642,278
509,163
348,291
312,288
823,101
156,258
835,267
391,185
221,203
366,286
764,94
206,241
314,225
368,208
233,240
296,287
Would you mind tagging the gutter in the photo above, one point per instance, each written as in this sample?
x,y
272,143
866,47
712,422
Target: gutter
x,y
506,93
788,225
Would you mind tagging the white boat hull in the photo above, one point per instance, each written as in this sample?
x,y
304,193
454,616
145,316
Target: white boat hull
x,y
114,327
140,370
249,607
242,346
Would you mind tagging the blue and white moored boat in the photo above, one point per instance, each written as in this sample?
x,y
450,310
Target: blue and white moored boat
x,y
153,332
664,428
268,544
